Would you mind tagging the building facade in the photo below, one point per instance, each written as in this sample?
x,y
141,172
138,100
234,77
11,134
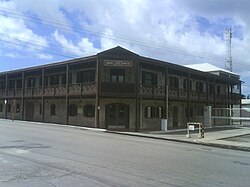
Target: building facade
x,y
114,89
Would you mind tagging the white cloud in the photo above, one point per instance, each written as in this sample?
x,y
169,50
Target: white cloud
x,y
49,10
83,47
44,56
17,34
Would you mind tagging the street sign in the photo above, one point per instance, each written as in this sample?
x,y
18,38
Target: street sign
x,y
191,127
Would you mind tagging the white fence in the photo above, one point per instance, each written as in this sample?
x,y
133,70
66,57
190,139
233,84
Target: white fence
x,y
226,116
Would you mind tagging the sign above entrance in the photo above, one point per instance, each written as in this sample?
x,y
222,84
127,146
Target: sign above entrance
x,y
118,63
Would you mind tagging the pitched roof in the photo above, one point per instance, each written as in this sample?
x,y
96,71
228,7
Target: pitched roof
x,y
206,67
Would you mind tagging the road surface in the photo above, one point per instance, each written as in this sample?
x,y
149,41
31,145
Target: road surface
x,y
42,155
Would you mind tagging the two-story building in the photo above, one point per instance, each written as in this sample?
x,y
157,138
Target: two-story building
x,y
114,89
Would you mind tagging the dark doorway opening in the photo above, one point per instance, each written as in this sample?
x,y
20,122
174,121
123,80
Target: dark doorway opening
x,y
117,116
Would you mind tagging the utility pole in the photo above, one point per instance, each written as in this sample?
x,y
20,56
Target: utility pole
x,y
229,63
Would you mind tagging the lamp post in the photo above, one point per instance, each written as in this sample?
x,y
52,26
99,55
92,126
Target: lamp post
x,y
5,102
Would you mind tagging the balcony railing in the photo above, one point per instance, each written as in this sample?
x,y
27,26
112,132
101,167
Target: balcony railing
x,y
57,90
157,91
82,89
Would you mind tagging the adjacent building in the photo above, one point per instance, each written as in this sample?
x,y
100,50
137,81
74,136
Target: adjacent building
x,y
115,89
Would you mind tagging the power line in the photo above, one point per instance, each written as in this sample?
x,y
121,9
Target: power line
x,y
14,43
94,32
20,39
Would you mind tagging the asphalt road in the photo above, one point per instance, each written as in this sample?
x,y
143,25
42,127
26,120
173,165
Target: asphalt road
x,y
42,155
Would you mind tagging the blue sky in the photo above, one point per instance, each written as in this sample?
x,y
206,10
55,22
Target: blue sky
x,y
178,31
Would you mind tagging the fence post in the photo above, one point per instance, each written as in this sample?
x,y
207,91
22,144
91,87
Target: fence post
x,y
208,116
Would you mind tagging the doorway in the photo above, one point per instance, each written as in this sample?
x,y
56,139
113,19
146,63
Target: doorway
x,y
29,112
117,116
175,116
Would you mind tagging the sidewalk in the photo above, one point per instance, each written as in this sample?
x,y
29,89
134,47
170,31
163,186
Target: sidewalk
x,y
237,138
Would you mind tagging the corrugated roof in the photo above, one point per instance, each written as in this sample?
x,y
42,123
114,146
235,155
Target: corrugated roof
x,y
245,101
206,67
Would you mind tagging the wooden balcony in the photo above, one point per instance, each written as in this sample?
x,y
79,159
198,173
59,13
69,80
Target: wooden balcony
x,y
201,96
57,90
10,92
152,91
82,89
221,98
18,92
30,92
174,93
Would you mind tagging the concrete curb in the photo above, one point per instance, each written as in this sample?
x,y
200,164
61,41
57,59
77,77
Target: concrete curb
x,y
224,146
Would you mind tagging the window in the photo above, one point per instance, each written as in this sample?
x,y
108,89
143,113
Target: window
x,y
199,86
211,89
191,112
9,107
160,112
72,110
31,82
117,75
40,108
19,83
185,84
54,80
46,81
200,111
148,112
89,110
63,79
11,84
174,82
218,90
17,108
149,78
52,109
2,85
85,76
1,107
70,78
40,81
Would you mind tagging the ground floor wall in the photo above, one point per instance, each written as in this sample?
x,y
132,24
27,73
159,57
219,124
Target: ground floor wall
x,y
114,113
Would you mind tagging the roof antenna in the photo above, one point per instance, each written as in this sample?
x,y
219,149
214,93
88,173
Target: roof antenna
x,y
229,63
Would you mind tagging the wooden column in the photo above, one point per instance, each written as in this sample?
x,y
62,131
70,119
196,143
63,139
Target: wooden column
x,y
67,96
188,97
166,92
6,92
214,94
138,98
97,99
43,78
23,89
240,101
207,90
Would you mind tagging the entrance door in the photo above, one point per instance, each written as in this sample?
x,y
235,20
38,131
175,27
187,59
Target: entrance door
x,y
117,116
175,116
29,112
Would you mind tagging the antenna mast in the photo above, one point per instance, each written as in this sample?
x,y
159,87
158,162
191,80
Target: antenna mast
x,y
229,63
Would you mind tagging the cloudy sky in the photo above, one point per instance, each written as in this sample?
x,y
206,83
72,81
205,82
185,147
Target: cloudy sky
x,y
179,31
